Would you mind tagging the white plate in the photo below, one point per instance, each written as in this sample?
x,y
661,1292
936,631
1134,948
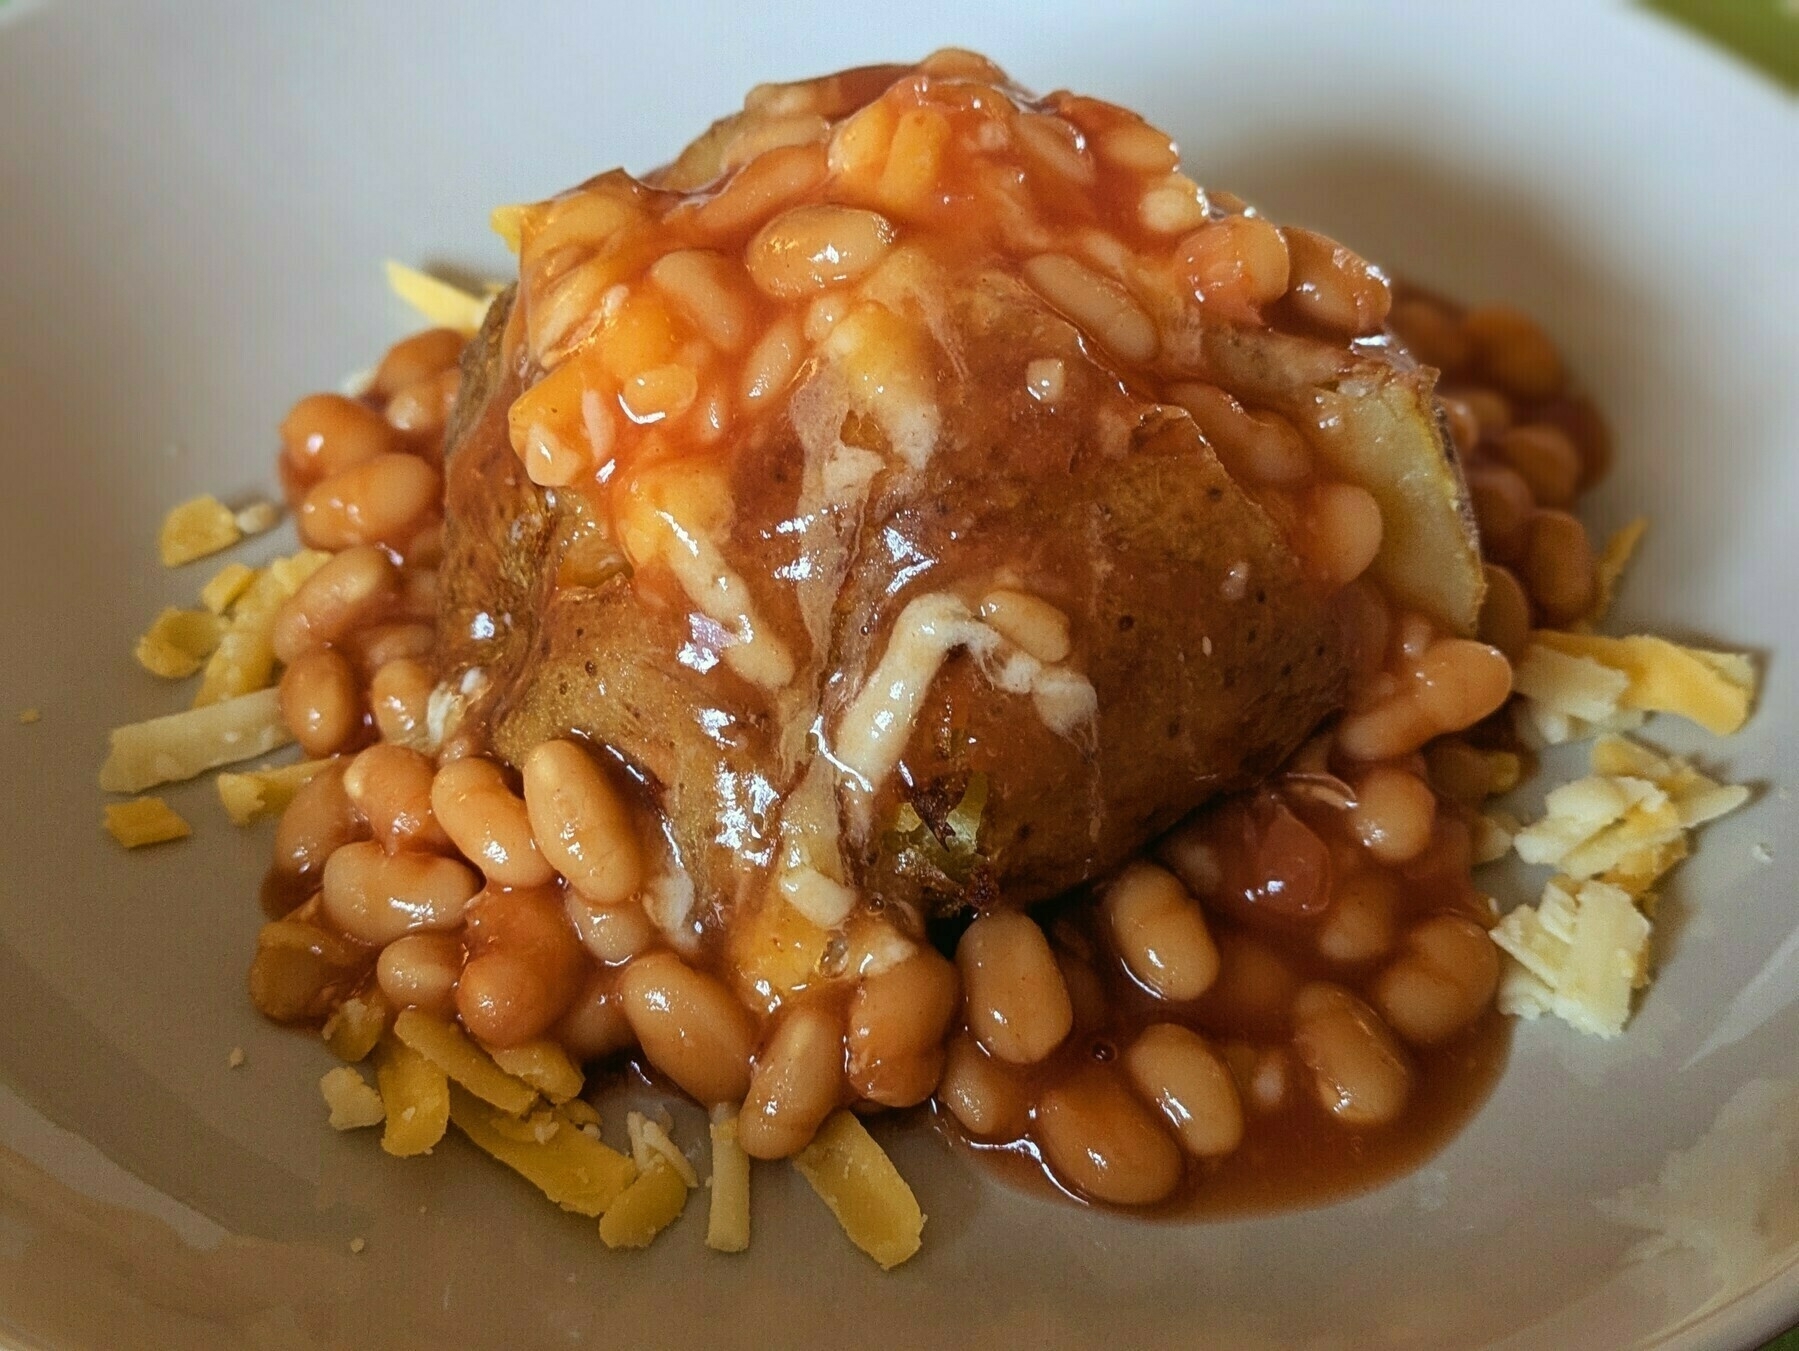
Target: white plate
x,y
195,202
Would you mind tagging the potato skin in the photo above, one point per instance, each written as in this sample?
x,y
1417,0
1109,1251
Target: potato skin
x,y
1126,521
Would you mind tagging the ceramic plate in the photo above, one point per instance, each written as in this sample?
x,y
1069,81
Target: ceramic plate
x,y
196,200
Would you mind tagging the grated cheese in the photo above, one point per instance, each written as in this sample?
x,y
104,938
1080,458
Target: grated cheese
x,y
444,305
728,1217
354,1103
144,821
203,525
1580,953
227,584
1713,689
256,794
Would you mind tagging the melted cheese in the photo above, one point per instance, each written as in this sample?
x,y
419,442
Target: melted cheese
x,y
673,518
874,730
811,872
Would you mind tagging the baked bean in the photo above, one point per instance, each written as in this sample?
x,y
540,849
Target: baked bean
x,y
612,933
1344,532
1193,858
772,362
1460,772
1104,1143
1393,814
1502,508
1254,444
594,1025
1412,635
1441,979
525,966
1359,925
1514,351
1255,985
488,822
1014,1001
690,1027
808,248
416,358
424,407
1236,265
707,289
379,644
1432,334
897,1019
400,694
1505,613
1172,204
796,1084
1160,932
1270,1077
1393,726
319,821
1086,992
419,971
375,896
319,701
980,1091
325,434
1333,287
1100,306
1462,681
1544,455
391,787
1139,147
418,593
334,600
1558,567
581,822
1490,409
780,175
379,501
1174,1068
659,392
1359,1073
425,547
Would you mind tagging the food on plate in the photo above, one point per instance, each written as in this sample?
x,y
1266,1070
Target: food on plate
x,y
919,602
145,820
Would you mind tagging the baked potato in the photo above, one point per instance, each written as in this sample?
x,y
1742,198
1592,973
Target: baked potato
x,y
978,675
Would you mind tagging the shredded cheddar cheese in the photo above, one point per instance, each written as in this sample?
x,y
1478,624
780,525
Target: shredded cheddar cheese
x,y
1613,559
1579,954
177,642
444,305
855,1178
256,794
353,1102
728,1219
1713,689
143,821
196,528
227,584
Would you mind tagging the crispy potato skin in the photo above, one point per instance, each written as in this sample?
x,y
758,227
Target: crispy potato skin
x,y
1127,522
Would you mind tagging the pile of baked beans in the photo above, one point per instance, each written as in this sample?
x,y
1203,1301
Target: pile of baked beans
x,y
1289,997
